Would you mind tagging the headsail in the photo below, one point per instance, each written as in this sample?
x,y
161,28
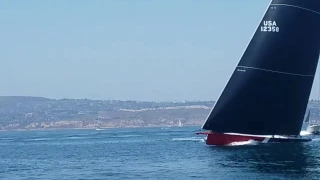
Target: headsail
x,y
269,90
307,120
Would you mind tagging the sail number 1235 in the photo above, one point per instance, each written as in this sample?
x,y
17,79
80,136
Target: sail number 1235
x,y
269,29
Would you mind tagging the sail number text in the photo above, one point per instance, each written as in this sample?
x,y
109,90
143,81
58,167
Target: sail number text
x,y
269,26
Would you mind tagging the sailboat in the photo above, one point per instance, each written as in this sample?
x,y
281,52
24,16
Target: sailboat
x,y
313,128
266,97
179,123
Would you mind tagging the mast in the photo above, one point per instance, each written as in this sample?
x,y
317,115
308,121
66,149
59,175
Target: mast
x,y
269,89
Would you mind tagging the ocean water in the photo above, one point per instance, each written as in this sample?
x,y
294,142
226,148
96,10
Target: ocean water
x,y
149,153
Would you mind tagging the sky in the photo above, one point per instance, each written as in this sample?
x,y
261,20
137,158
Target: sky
x,y
124,49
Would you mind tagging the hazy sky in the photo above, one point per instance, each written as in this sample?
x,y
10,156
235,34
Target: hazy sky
x,y
124,49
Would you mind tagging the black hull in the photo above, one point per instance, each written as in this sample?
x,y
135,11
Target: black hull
x,y
288,140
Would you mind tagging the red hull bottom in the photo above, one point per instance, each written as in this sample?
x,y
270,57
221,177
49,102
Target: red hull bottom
x,y
225,139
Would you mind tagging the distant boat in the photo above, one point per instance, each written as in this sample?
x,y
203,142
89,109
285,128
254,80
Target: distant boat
x,y
313,128
267,95
179,123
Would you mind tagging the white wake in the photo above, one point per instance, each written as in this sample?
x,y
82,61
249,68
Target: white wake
x,y
241,143
305,133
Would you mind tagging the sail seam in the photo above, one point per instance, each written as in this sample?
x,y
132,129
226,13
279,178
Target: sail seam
x,y
280,72
297,7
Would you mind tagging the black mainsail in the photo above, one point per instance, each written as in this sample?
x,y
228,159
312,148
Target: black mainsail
x,y
268,91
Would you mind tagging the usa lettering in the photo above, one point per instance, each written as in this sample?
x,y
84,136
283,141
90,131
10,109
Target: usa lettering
x,y
269,26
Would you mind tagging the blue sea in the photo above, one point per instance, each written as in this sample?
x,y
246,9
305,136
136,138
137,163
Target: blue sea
x,y
148,153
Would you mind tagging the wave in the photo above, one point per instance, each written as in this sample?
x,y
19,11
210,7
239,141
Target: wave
x,y
189,139
98,129
39,139
316,139
127,136
75,137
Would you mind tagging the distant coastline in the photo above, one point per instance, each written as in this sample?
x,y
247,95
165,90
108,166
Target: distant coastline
x,y
102,128
38,113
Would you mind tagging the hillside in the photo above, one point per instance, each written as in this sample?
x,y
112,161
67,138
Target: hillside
x,y
20,112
